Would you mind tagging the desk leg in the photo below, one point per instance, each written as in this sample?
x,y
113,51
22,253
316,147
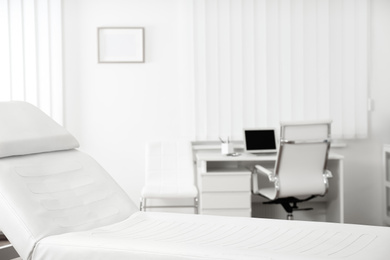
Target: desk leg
x,y
335,196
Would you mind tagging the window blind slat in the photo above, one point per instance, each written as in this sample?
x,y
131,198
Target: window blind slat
x,y
43,52
16,49
285,60
236,76
323,61
336,68
5,75
349,68
260,57
212,72
185,56
310,59
200,69
249,93
273,63
297,65
30,62
224,72
55,34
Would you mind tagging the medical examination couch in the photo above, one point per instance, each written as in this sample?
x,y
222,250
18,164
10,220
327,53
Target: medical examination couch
x,y
58,203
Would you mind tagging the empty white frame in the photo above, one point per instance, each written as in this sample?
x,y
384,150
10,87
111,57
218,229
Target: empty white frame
x,y
120,44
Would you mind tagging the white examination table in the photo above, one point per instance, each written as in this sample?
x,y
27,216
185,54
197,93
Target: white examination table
x,y
57,203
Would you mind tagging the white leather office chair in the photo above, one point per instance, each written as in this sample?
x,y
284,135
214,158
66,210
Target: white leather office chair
x,y
169,174
300,173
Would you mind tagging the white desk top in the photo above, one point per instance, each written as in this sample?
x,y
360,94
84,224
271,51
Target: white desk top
x,y
217,156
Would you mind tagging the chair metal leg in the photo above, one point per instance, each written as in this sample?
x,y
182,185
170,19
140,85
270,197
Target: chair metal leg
x,y
196,201
142,204
290,216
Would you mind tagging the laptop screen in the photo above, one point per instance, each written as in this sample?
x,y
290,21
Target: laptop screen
x,y
260,140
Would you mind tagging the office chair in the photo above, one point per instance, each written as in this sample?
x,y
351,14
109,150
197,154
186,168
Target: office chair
x,y
169,174
300,172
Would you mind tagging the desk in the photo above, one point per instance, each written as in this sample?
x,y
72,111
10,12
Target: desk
x,y
224,184
386,184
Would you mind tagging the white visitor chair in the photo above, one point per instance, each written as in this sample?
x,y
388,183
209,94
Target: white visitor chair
x,y
300,173
169,174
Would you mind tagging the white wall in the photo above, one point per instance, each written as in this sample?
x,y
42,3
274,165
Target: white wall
x,y
114,108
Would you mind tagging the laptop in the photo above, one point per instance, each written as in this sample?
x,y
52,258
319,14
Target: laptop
x,y
260,141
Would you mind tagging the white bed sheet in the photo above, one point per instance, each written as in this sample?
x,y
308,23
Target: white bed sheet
x,y
158,236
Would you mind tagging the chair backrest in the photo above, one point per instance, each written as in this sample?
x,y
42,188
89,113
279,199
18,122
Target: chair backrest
x,y
169,162
47,187
302,157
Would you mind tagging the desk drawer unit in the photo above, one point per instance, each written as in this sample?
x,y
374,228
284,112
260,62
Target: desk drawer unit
x,y
226,200
225,192
223,182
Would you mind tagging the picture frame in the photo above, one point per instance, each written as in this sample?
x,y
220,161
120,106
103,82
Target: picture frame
x,y
121,45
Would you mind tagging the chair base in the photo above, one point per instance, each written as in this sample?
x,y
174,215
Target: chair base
x,y
143,206
290,204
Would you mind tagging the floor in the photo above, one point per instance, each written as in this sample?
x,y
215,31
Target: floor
x,y
7,252
3,240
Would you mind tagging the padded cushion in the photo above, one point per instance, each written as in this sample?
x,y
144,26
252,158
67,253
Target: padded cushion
x,y
269,193
305,130
168,236
54,193
28,130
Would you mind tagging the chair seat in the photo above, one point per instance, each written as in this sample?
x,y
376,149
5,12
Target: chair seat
x,y
169,191
269,193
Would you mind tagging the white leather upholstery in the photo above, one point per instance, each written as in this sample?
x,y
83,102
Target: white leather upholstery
x,y
169,170
54,193
26,130
50,192
305,130
299,169
169,236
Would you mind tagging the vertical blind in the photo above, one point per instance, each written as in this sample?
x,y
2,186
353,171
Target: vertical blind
x,y
31,54
259,62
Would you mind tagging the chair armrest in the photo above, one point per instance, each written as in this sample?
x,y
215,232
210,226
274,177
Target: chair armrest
x,y
328,174
255,184
270,174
